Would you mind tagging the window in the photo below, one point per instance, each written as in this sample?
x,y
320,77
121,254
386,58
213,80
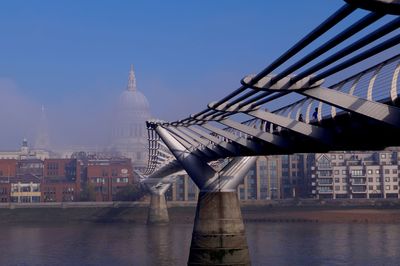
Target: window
x,y
371,187
394,171
344,187
370,179
336,172
387,171
369,171
325,189
344,172
337,188
378,179
357,172
387,187
379,187
395,179
100,180
383,156
395,187
325,181
323,162
344,180
377,171
340,156
387,179
333,156
337,180
114,172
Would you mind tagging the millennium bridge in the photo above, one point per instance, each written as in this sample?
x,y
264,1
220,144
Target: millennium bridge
x,y
297,104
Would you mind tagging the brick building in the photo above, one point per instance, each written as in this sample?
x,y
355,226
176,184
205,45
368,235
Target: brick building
x,y
109,176
62,180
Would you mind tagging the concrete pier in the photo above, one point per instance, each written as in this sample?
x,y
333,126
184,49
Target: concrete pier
x,y
218,235
158,211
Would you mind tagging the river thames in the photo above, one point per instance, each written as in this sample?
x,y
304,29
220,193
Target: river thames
x,y
138,244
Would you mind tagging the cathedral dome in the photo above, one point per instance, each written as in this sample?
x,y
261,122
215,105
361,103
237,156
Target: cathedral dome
x,y
134,100
129,136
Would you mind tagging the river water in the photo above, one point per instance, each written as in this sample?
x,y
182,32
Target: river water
x,y
137,244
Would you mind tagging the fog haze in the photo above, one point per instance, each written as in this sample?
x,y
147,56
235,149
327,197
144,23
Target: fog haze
x,y
73,57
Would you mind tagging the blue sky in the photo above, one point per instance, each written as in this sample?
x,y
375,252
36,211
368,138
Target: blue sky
x,y
74,56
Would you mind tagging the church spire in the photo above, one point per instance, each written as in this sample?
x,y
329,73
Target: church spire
x,y
131,80
42,138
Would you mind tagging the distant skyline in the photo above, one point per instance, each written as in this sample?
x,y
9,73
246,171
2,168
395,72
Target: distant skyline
x,y
73,57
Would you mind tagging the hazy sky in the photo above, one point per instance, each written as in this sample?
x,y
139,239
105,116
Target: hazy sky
x,y
73,57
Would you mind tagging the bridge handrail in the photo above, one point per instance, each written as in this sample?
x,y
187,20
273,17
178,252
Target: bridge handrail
x,y
254,135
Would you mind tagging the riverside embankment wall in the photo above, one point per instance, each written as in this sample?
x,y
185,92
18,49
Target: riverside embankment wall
x,y
310,210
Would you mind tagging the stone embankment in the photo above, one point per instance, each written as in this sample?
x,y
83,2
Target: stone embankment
x,y
288,211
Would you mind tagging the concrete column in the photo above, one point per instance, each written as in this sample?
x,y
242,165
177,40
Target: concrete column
x,y
218,235
158,211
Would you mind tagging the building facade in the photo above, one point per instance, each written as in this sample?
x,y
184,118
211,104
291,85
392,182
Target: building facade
x,y
108,176
356,175
63,180
271,177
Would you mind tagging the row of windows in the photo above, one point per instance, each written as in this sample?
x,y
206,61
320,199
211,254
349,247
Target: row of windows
x,y
383,156
114,172
16,188
377,187
370,179
52,166
115,180
52,173
356,172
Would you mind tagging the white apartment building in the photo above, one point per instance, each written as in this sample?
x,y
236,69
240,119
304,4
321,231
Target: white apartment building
x,y
356,175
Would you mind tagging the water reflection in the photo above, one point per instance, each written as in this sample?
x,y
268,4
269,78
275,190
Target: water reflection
x,y
324,244
269,243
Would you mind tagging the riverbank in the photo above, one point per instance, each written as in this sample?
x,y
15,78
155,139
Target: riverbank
x,y
285,211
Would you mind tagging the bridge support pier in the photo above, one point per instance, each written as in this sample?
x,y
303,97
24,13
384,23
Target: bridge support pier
x,y
158,211
218,234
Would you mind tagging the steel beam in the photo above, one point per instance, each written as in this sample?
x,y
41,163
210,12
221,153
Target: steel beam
x,y
246,143
377,111
278,141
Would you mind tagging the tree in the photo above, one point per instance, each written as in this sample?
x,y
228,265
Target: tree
x,y
88,193
131,192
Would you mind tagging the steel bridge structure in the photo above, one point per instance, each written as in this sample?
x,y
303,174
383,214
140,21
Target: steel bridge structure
x,y
300,103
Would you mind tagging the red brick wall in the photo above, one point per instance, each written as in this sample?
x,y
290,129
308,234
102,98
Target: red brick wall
x,y
59,192
108,174
8,167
